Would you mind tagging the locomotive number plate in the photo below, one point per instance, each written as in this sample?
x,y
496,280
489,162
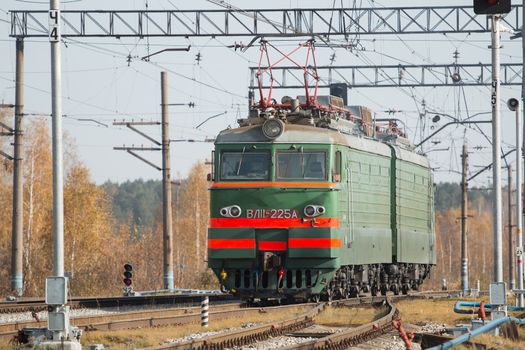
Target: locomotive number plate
x,y
272,213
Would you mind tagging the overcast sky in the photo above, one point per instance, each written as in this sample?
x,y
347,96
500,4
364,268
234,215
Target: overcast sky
x,y
105,79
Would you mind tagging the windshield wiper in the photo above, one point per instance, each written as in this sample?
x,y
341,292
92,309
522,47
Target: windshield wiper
x,y
240,161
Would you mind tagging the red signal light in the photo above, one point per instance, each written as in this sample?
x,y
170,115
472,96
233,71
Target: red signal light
x,y
128,275
491,7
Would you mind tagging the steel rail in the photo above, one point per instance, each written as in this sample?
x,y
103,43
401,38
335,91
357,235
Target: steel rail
x,y
249,335
97,302
7,330
352,336
150,318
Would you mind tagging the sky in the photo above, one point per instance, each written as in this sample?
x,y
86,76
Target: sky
x,y
104,79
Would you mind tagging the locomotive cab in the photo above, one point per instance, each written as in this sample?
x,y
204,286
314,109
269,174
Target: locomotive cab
x,y
282,238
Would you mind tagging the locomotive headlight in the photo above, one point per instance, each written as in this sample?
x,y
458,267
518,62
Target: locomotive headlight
x,y
273,128
309,210
314,210
233,211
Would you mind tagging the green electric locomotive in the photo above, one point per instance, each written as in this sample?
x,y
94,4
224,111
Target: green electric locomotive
x,y
312,199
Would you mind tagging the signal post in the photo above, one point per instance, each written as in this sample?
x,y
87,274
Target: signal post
x,y
495,8
61,334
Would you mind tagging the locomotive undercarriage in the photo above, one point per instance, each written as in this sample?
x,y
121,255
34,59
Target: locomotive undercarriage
x,y
349,281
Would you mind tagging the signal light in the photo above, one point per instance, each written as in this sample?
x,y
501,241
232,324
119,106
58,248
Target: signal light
x,y
490,7
128,275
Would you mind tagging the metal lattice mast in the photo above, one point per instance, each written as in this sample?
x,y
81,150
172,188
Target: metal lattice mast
x,y
388,75
260,22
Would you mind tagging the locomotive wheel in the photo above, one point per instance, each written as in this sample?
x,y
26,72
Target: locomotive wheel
x,y
373,290
404,289
384,289
395,289
340,293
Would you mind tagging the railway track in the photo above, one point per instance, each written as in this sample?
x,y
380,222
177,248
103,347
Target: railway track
x,y
292,326
187,315
135,319
100,302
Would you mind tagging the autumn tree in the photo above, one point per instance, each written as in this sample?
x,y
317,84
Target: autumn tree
x,y
192,213
5,206
38,204
448,245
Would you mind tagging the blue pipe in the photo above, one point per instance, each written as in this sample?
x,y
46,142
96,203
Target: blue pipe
x,y
459,304
487,327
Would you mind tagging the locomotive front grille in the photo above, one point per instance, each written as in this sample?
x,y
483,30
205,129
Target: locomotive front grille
x,y
293,279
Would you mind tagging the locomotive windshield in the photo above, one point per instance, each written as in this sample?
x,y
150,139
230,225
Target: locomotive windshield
x,y
301,165
245,166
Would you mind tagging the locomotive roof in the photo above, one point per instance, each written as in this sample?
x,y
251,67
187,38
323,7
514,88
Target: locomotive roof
x,y
298,134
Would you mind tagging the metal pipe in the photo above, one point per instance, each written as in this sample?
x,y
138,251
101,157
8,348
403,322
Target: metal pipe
x,y
17,247
464,206
496,151
483,329
459,304
167,229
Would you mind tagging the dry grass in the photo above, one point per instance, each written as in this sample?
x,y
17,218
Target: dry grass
x,y
349,316
138,338
437,311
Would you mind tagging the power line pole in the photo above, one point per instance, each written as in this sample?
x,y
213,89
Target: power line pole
x,y
167,229
164,146
464,213
17,247
514,105
512,281
496,150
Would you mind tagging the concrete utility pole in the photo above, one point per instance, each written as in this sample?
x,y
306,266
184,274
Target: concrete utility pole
x,y
167,230
496,151
464,214
166,187
519,204
512,281
56,114
17,247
